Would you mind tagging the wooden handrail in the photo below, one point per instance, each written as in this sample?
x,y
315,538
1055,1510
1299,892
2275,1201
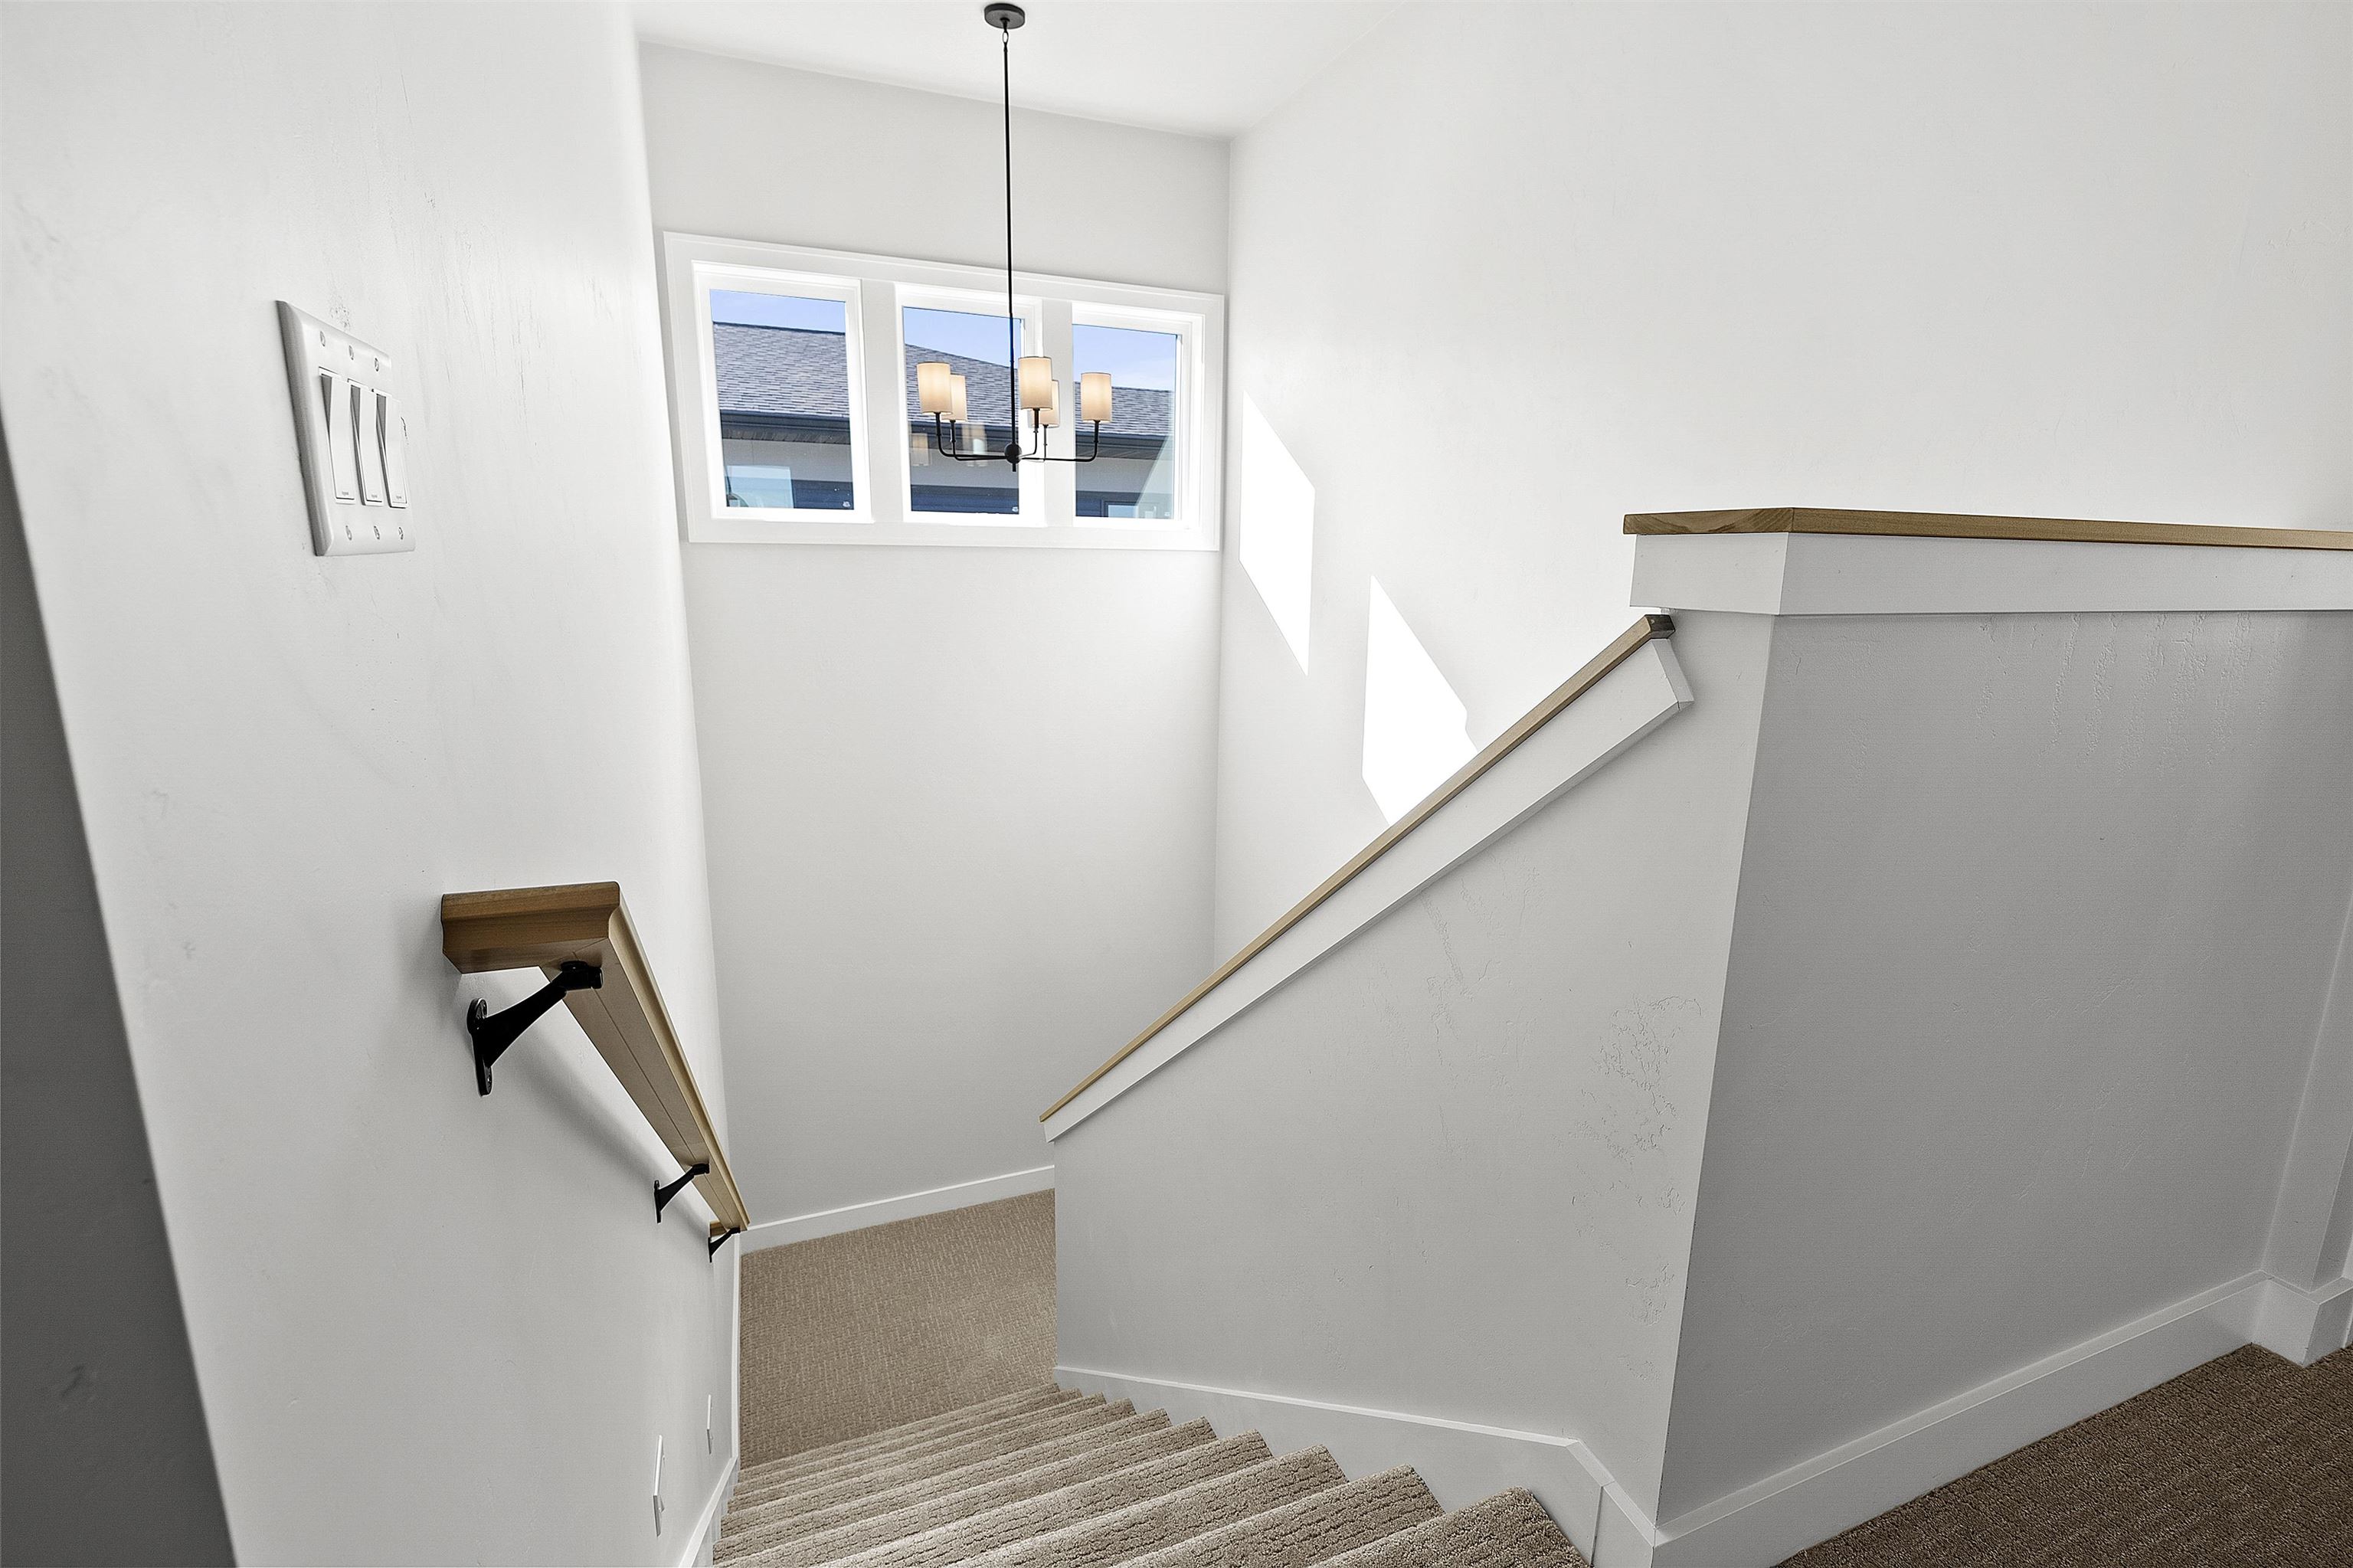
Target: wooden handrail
x,y
541,928
1649,629
1965,525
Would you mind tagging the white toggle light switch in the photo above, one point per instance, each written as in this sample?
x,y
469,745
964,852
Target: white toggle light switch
x,y
364,422
658,1497
343,458
352,436
392,439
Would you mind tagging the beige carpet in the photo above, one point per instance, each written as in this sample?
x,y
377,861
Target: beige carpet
x,y
2246,1462
849,1334
1510,1530
1045,1478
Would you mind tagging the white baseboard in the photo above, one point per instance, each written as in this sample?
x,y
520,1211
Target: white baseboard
x,y
906,1206
1836,1490
1460,1461
1809,1503
2303,1325
704,1543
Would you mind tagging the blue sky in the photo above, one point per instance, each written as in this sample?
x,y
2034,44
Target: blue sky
x,y
1134,358
957,332
742,309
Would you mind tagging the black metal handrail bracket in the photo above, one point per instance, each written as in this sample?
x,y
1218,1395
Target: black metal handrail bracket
x,y
663,1195
492,1032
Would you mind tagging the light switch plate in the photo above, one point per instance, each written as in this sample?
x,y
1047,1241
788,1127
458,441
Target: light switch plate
x,y
353,435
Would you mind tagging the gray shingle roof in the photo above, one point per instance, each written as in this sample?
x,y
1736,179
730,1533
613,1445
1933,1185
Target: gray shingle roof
x,y
791,371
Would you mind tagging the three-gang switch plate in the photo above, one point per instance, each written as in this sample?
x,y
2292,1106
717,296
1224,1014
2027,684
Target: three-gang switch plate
x,y
353,439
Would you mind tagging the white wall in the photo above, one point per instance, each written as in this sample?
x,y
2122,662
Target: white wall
x,y
428,1327
2037,920
1948,1131
959,799
1545,265
1449,1168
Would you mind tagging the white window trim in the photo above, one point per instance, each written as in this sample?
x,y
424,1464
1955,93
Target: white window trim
x,y
883,515
1193,412
758,523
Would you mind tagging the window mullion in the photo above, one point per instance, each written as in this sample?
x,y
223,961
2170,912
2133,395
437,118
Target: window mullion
x,y
884,396
1061,478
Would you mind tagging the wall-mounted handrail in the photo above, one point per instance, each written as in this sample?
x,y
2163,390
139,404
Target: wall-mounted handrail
x,y
548,928
1969,525
1649,629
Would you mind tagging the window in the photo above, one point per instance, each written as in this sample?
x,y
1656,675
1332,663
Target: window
x,y
962,332
1134,476
775,391
781,370
776,369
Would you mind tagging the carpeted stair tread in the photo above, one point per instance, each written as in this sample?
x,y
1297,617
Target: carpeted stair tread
x,y
1317,1528
1179,1515
980,1410
895,1468
1083,1500
1043,1478
856,1468
808,1459
938,1518
783,1524
1510,1530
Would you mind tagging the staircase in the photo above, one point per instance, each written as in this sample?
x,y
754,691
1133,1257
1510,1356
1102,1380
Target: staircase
x,y
1048,1478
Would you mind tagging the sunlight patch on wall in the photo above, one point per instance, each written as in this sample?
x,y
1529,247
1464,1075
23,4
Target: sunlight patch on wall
x,y
1278,519
1417,731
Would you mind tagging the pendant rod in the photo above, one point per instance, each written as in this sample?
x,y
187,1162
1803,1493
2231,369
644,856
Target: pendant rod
x,y
1012,333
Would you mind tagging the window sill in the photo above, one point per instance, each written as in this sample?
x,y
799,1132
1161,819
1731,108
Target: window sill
x,y
1023,536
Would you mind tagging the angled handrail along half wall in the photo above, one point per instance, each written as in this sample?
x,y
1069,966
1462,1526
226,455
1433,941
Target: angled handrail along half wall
x,y
1649,629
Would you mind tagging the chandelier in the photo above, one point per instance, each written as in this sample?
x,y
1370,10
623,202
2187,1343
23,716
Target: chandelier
x,y
940,391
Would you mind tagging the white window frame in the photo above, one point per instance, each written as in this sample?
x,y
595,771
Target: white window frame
x,y
878,403
703,434
1189,402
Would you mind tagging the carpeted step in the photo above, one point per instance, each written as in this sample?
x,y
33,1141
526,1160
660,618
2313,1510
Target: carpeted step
x,y
783,1524
865,1460
982,1413
1510,1530
1316,1528
894,1466
1051,1510
1180,1516
861,1538
980,1410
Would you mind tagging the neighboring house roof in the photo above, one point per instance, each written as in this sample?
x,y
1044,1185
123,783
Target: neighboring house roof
x,y
793,372
781,370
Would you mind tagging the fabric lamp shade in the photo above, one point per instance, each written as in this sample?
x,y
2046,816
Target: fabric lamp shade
x,y
934,393
1094,396
1036,382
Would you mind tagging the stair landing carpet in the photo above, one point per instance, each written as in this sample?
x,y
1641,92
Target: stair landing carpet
x,y
1043,1478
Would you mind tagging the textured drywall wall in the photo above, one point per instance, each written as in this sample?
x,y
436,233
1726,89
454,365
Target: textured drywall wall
x,y
1449,1168
428,1327
959,799
2037,920
1504,273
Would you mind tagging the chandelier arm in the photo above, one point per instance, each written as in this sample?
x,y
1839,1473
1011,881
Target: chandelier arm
x,y
947,451
1094,446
